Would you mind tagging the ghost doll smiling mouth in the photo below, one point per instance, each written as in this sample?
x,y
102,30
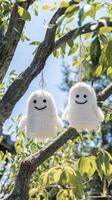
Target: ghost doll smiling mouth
x,y
44,101
77,96
40,108
81,102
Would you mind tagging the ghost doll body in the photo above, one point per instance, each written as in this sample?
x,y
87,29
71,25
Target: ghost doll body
x,y
82,110
41,119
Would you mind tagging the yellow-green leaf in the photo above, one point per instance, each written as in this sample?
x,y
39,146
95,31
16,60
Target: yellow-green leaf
x,y
62,194
98,71
46,7
109,71
32,192
24,13
44,194
71,9
109,173
103,30
57,175
64,4
87,165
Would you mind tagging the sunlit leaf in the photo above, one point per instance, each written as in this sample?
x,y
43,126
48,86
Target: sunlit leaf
x,y
24,13
98,71
46,7
109,71
71,9
64,4
103,30
87,165
62,195
32,192
43,193
109,53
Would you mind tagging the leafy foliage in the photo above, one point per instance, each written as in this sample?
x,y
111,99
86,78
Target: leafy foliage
x,y
83,167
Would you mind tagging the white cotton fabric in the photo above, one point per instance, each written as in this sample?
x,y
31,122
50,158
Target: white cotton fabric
x,y
41,120
82,111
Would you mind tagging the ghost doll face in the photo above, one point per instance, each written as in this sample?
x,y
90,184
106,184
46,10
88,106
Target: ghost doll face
x,y
82,94
41,102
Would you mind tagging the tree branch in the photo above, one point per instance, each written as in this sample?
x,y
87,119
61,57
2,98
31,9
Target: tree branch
x,y
29,165
107,92
12,37
87,28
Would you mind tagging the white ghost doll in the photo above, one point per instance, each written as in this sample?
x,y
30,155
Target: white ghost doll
x,y
41,120
82,111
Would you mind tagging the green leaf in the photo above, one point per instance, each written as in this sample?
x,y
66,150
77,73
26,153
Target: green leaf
x,y
68,29
70,20
103,30
44,178
72,9
87,35
95,51
56,53
103,162
109,174
62,194
44,194
87,165
63,178
57,175
35,43
24,37
109,53
73,49
70,42
46,7
22,0
98,71
2,89
64,4
1,156
109,71
24,14
103,59
33,192
35,9
7,156
104,39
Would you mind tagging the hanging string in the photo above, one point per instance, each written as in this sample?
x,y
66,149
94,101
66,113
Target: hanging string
x,y
92,82
42,83
81,69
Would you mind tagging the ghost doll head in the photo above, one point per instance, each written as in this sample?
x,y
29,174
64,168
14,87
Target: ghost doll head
x,y
41,103
82,94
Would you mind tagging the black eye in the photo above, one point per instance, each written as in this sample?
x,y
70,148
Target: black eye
x,y
34,101
77,96
44,100
85,96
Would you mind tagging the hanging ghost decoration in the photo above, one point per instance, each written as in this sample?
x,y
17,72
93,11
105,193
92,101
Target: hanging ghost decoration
x,y
41,120
82,111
